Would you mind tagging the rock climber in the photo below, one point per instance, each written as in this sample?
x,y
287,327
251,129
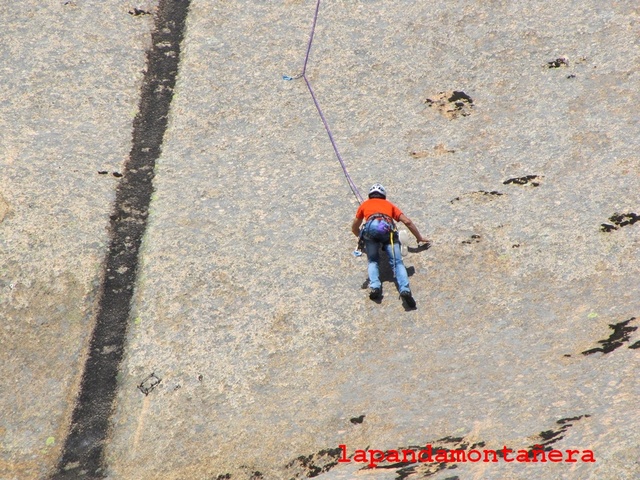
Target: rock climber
x,y
380,230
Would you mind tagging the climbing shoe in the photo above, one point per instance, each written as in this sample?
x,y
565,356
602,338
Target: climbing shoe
x,y
375,293
408,298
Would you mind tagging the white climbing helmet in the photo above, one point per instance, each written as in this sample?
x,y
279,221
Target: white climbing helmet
x,y
377,188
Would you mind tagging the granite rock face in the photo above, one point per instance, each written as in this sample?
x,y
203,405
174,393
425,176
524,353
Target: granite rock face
x,y
70,85
506,131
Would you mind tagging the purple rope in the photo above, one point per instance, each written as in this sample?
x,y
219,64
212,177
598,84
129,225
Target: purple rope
x,y
354,189
313,31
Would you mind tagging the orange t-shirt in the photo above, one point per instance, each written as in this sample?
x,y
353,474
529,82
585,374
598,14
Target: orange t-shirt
x,y
378,205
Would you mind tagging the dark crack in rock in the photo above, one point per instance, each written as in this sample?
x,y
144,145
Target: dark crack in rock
x,y
533,180
619,220
452,104
620,335
481,195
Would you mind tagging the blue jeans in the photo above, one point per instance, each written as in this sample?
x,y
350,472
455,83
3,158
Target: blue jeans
x,y
373,255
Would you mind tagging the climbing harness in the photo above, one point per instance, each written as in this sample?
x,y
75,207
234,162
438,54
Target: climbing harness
x,y
384,224
303,75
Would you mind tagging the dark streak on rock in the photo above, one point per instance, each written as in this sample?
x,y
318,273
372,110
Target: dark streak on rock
x,y
605,227
460,97
136,12
493,193
624,219
523,180
359,419
474,239
550,434
449,439
635,345
315,464
407,469
558,62
620,335
562,421
82,453
550,437
621,220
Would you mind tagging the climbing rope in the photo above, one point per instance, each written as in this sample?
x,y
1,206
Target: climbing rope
x,y
303,75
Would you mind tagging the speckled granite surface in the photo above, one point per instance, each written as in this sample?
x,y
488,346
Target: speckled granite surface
x,y
249,306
